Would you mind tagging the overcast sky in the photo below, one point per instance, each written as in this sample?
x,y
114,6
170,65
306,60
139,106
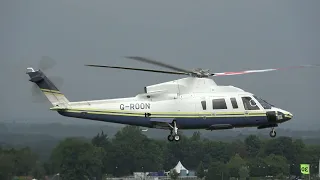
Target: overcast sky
x,y
219,35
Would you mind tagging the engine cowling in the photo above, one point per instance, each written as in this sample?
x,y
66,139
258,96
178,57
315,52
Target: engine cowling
x,y
272,116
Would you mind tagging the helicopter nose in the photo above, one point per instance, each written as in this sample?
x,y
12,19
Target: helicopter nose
x,y
286,115
283,115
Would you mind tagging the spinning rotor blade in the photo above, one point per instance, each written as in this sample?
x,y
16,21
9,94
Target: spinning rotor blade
x,y
57,81
139,69
46,63
261,70
146,60
37,95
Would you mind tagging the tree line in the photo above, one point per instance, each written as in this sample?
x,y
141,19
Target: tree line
x,y
131,151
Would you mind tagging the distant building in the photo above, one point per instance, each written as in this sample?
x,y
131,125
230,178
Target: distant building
x,y
181,169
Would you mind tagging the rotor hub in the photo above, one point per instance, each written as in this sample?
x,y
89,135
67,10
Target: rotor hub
x,y
199,72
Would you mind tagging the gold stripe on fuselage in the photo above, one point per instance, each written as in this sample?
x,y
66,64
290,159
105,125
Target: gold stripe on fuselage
x,y
160,114
50,91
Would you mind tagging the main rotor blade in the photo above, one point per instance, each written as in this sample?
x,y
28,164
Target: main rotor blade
x,y
138,69
146,60
261,70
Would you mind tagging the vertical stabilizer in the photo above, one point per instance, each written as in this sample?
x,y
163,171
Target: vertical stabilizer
x,y
53,94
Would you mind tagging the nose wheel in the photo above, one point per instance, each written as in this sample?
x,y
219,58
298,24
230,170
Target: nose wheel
x,y
273,133
174,136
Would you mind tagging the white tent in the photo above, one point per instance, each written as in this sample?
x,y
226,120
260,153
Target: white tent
x,y
180,167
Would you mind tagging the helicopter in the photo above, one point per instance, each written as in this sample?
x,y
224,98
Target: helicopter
x,y
192,102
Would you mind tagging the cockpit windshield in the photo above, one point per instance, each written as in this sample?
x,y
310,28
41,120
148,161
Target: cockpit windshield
x,y
264,103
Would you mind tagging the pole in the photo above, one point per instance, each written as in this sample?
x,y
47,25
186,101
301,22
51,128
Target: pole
x,y
309,171
319,168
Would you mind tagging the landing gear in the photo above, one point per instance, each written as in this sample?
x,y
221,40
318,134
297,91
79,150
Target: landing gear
x,y
170,137
174,132
173,137
176,137
273,133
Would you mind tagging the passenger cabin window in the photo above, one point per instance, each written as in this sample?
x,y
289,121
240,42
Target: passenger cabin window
x,y
219,104
249,104
234,103
204,105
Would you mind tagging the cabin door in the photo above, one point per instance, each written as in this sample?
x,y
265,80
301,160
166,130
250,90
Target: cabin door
x,y
186,105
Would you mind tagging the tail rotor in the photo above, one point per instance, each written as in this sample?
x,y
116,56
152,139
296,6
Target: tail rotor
x,y
45,64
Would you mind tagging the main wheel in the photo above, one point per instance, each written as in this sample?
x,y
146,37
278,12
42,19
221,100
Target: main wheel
x,y
273,134
170,138
176,137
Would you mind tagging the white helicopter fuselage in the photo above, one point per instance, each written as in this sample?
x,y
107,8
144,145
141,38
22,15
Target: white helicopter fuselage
x,y
194,103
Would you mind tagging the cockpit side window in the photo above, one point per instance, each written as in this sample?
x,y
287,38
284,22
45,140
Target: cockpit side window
x,y
249,103
263,103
